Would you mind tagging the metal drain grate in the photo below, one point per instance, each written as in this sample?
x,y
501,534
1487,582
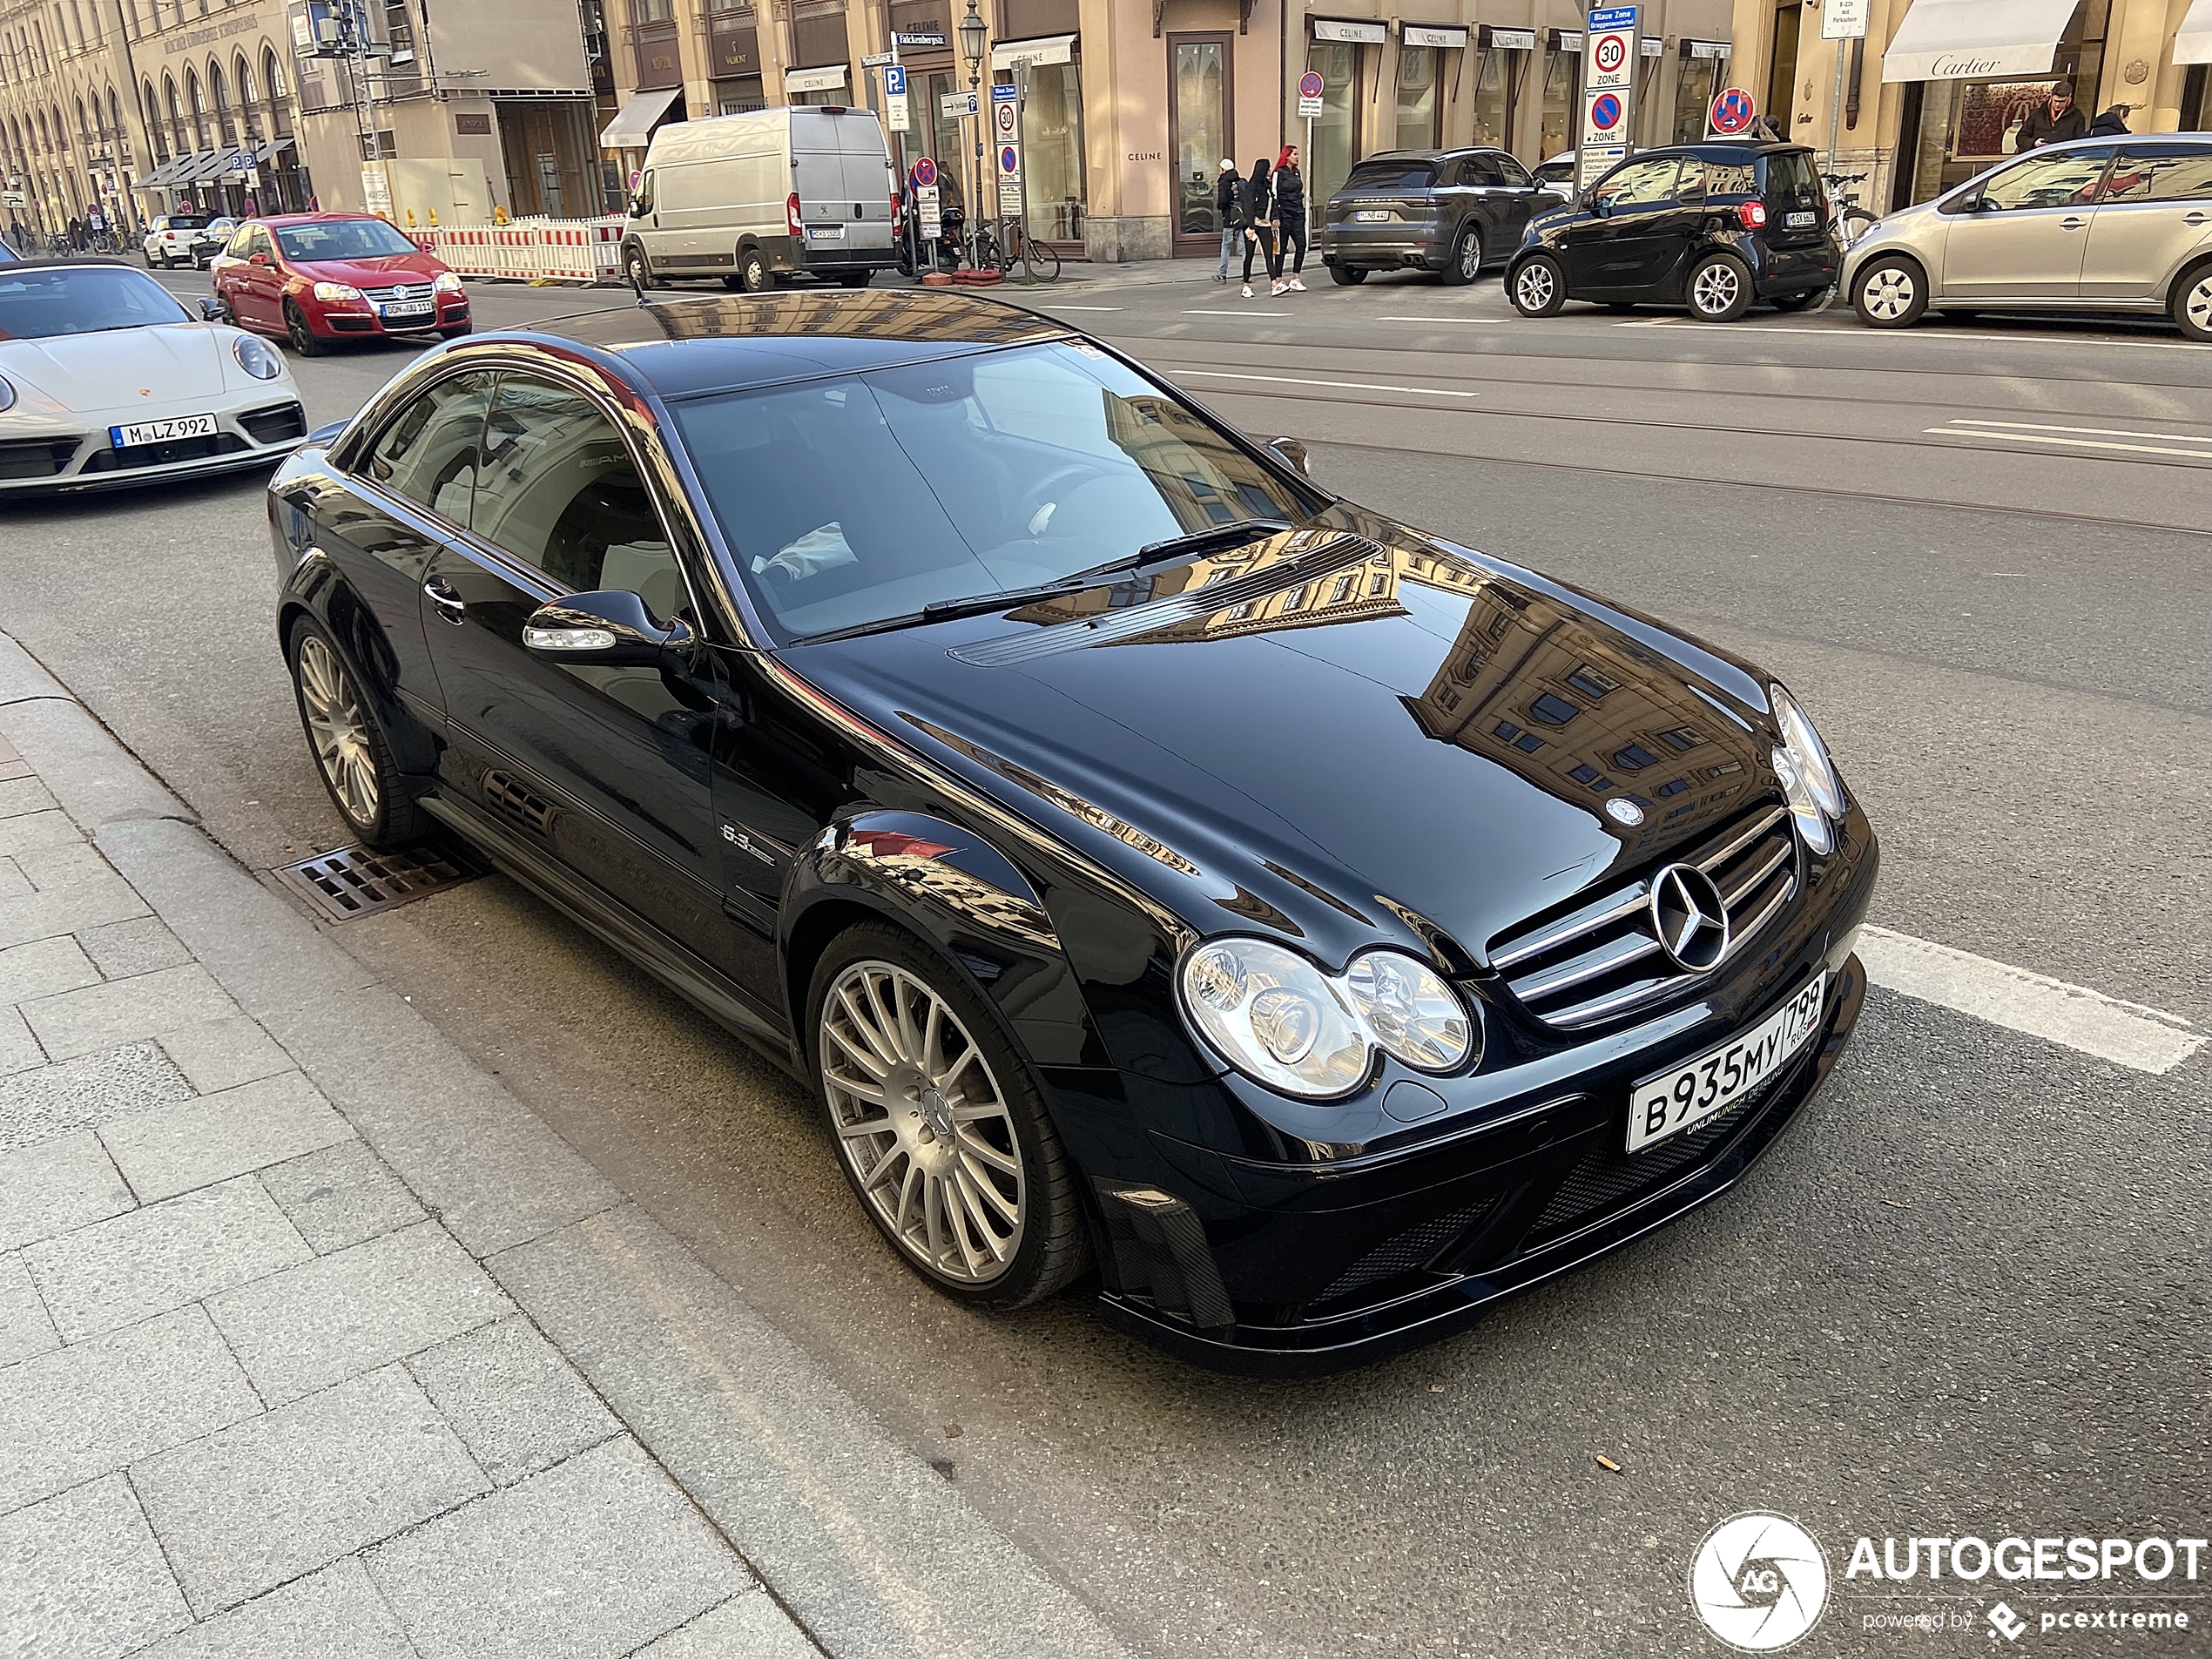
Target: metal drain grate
x,y
350,881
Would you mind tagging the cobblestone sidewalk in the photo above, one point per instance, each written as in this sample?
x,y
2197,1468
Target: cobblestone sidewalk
x,y
254,1399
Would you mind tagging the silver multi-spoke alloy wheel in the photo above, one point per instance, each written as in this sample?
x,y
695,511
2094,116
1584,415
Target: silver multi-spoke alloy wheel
x,y
1470,255
923,1122
338,730
2196,305
1887,293
1533,287
1717,288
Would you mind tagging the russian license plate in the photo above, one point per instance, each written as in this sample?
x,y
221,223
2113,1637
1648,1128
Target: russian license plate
x,y
180,426
1675,1100
404,309
1372,215
1798,221
826,233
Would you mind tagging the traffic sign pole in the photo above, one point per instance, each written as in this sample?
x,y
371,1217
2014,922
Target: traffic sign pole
x,y
1608,92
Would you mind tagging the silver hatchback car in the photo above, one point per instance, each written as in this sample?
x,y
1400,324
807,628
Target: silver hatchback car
x,y
2118,225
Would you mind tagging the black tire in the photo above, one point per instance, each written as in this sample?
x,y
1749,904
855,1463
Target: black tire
x,y
1718,288
855,278
456,333
296,330
1537,286
637,268
397,820
1464,262
1795,301
1052,1249
1349,276
2191,304
1890,291
753,275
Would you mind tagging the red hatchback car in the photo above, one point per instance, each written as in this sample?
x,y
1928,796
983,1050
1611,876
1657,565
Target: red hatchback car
x,y
316,277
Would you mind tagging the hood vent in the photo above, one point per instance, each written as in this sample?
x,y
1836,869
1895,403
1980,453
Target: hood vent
x,y
1603,959
1309,555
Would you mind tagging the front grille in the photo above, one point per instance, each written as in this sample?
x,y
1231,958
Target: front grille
x,y
352,881
275,425
162,454
1602,959
35,457
400,291
1410,1251
1607,1181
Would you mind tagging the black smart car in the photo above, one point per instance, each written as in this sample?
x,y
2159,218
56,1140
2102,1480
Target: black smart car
x,y
1164,872
1452,212
1714,226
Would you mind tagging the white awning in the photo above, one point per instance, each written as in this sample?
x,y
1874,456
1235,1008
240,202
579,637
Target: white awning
x,y
1705,49
814,80
1359,34
1958,40
2194,44
1045,49
1444,36
633,125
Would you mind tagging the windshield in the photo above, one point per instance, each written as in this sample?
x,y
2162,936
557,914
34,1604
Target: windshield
x,y
346,239
39,301
866,497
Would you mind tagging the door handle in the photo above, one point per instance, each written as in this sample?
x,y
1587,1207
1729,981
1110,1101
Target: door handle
x,y
2192,220
442,594
2070,223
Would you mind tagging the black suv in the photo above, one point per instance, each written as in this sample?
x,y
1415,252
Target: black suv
x,y
1713,227
1447,210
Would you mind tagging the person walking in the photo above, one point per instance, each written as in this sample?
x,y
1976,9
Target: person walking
x,y
1290,221
1259,205
2112,123
1227,185
2058,121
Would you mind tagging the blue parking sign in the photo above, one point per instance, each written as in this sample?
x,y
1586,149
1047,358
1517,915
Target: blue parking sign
x,y
895,80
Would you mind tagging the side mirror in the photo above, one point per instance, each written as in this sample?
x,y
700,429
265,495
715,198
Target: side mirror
x,y
257,259
210,309
612,628
1293,451
637,207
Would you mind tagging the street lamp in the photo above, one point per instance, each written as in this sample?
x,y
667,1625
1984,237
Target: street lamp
x,y
972,30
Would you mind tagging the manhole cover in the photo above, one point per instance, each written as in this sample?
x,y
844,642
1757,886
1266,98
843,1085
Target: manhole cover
x,y
350,881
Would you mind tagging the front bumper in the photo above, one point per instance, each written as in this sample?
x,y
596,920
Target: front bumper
x,y
1265,1266
333,323
58,456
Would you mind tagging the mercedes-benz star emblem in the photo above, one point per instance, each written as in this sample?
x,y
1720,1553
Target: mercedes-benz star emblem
x,y
1689,917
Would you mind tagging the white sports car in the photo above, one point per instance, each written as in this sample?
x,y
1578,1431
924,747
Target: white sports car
x,y
105,379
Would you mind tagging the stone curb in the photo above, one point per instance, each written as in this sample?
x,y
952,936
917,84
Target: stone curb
x,y
870,1550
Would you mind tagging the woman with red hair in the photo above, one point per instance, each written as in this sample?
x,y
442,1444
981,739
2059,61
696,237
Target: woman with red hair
x,y
1290,221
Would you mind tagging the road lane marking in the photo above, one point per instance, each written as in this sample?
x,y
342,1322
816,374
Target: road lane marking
x,y
2127,1034
1056,305
2092,431
1240,313
1463,322
1782,325
1294,380
2070,444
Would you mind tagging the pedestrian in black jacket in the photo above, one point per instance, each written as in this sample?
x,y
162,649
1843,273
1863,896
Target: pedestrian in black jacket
x,y
2112,123
1227,188
1259,207
2057,122
1288,185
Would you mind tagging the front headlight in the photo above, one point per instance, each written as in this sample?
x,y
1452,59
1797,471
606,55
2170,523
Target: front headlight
x,y
1281,1021
255,357
1808,776
7,395
329,291
447,283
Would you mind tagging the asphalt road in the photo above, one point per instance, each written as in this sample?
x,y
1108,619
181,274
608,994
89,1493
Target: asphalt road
x,y
1967,1295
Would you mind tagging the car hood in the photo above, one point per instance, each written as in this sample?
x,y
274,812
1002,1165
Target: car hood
x,y
371,273
149,369
1409,739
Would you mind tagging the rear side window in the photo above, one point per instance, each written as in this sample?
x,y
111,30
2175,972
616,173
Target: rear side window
x,y
1480,170
1791,180
1385,173
2160,173
1727,180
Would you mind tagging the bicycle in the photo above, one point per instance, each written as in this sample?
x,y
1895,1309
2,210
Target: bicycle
x,y
1038,261
1847,220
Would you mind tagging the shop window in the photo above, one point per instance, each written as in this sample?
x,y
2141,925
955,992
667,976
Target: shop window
x,y
1417,103
1694,91
1491,99
739,95
1336,130
2196,104
1953,129
1562,91
1052,149
1782,66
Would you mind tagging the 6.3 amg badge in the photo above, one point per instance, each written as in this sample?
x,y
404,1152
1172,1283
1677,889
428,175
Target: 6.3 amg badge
x,y
1759,1581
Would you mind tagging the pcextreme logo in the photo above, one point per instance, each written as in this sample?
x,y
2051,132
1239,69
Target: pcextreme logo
x,y
1759,1581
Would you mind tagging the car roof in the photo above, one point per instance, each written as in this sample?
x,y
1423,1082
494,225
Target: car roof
x,y
731,341
311,218
52,261
1725,147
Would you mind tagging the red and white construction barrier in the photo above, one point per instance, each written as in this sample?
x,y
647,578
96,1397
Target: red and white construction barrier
x,y
531,250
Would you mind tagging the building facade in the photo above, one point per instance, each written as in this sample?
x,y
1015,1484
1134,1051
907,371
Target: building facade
x,y
1938,89
1129,106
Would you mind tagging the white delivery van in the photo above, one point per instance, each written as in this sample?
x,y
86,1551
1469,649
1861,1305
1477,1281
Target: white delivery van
x,y
750,197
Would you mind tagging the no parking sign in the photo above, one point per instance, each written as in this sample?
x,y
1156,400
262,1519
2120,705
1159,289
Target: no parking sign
x,y
1732,113
1309,95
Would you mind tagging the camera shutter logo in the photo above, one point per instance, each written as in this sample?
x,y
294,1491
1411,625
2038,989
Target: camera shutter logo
x,y
1759,1581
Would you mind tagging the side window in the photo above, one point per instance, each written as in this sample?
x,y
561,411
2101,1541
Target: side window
x,y
241,242
1730,179
429,453
1641,184
1690,184
645,203
2066,179
1512,171
2160,173
559,491
1480,170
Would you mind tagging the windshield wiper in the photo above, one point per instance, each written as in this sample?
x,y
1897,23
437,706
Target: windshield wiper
x,y
1235,533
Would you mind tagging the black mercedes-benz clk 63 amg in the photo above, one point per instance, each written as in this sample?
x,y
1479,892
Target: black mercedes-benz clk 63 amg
x,y
1171,876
